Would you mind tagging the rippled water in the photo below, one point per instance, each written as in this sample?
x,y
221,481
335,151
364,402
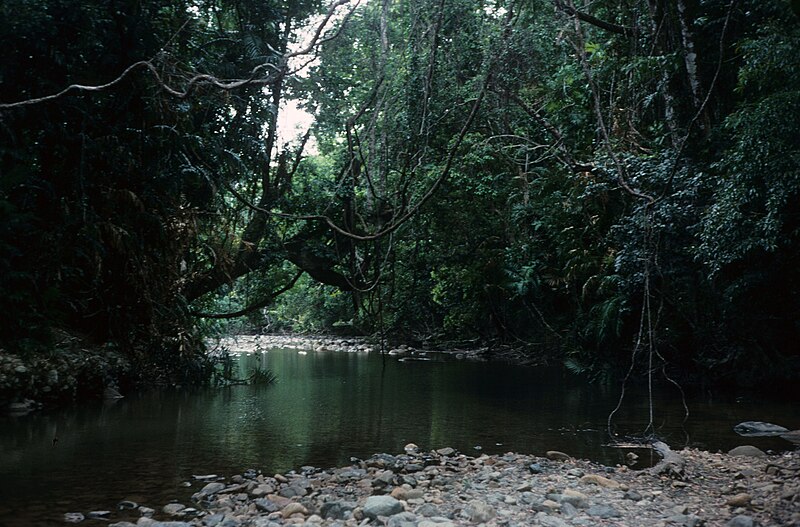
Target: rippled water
x,y
325,409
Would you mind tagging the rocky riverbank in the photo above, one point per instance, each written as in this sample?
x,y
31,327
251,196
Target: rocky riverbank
x,y
321,344
444,488
71,368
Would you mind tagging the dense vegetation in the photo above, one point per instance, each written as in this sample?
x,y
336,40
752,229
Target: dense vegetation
x,y
582,181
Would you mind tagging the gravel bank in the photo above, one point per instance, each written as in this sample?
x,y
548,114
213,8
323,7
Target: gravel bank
x,y
444,488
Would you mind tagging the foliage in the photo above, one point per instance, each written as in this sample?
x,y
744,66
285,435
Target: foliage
x,y
639,169
262,377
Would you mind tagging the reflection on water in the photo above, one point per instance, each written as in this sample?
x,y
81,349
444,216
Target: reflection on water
x,y
326,408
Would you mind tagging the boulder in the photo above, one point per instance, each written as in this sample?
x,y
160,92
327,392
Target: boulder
x,y
173,509
480,512
335,510
406,493
741,521
747,451
574,498
603,511
209,489
555,455
402,519
293,508
546,520
382,506
595,479
739,500
429,523
411,448
428,510
265,505
73,517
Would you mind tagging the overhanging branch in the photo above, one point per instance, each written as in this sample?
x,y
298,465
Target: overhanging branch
x,y
256,77
404,217
589,19
252,307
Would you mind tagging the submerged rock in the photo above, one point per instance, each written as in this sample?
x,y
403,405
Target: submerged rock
x,y
758,429
111,393
792,437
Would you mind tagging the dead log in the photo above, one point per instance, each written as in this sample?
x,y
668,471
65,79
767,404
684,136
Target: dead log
x,y
671,464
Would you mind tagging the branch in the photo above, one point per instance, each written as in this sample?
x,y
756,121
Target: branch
x,y
252,307
316,40
279,70
197,80
589,19
554,132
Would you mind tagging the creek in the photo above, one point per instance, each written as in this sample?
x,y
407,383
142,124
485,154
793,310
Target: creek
x,y
326,408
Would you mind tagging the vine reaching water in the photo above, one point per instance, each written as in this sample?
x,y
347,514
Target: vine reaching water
x,y
647,329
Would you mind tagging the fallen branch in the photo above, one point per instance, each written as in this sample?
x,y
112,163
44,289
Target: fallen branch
x,y
671,464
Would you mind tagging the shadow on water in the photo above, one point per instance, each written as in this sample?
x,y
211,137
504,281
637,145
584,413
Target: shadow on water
x,y
325,409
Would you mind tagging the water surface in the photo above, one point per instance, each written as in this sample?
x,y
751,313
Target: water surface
x,y
325,409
